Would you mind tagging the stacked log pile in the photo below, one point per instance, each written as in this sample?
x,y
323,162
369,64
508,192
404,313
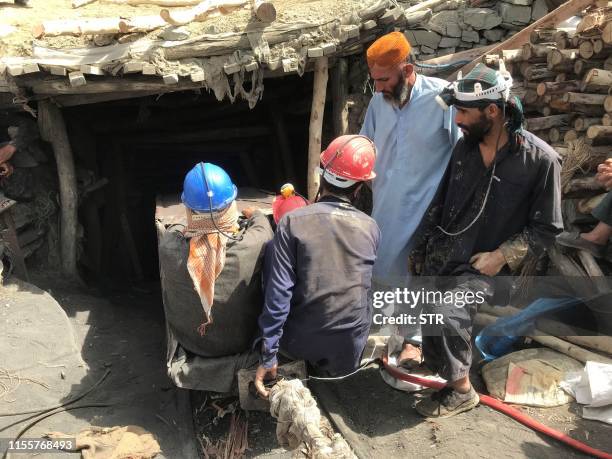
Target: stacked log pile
x,y
564,77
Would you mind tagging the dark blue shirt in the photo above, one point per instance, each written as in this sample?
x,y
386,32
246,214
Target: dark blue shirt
x,y
317,272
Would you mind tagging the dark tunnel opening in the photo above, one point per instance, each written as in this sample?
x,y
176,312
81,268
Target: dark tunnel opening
x,y
129,151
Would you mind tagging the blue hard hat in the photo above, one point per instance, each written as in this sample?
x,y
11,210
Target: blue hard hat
x,y
205,178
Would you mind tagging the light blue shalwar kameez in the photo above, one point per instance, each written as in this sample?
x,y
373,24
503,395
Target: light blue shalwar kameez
x,y
414,145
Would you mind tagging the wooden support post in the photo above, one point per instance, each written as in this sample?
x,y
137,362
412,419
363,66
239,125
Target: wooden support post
x,y
53,130
319,92
339,94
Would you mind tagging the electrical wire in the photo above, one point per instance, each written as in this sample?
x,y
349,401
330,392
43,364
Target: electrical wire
x,y
210,209
486,197
338,378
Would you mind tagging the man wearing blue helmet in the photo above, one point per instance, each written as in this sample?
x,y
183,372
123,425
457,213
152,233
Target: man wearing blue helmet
x,y
210,281
499,203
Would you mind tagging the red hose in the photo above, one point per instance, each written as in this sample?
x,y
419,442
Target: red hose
x,y
506,409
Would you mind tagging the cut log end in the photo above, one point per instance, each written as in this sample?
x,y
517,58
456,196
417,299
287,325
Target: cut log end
x,y
265,12
38,31
166,16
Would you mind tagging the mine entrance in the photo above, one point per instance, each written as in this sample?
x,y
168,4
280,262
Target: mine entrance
x,y
129,151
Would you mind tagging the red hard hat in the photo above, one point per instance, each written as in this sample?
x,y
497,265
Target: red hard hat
x,y
349,159
282,205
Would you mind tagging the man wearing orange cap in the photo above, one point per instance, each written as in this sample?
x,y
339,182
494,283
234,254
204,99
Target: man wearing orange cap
x,y
414,137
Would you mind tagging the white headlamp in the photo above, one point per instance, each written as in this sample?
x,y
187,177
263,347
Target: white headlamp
x,y
451,95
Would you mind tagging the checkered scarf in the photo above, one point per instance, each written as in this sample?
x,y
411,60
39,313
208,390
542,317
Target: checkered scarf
x,y
207,253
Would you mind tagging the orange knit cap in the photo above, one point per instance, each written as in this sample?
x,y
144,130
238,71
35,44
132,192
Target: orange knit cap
x,y
388,50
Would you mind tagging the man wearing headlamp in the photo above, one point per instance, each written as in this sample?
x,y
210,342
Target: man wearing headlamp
x,y
498,202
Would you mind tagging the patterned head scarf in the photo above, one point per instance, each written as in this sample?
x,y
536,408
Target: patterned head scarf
x,y
207,252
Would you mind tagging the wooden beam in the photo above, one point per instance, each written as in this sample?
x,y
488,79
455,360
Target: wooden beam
x,y
581,98
76,27
547,122
141,24
423,6
563,12
79,3
319,92
164,3
53,130
202,11
101,85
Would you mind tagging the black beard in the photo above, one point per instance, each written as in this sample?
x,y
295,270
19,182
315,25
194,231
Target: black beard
x,y
401,93
476,133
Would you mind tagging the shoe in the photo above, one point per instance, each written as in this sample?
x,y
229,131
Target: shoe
x,y
413,359
575,241
447,402
23,3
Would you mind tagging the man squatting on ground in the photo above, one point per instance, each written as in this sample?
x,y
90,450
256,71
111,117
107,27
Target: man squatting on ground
x,y
498,201
317,279
414,139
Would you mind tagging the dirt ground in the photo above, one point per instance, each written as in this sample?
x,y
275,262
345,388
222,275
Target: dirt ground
x,y
19,43
121,335
385,424
381,421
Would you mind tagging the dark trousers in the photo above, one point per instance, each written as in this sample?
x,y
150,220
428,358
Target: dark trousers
x,y
603,211
447,347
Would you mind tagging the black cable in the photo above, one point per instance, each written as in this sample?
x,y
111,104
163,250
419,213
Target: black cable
x,y
48,415
486,197
44,410
210,209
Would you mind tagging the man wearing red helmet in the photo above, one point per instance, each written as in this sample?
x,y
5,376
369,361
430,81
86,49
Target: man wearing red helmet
x,y
316,298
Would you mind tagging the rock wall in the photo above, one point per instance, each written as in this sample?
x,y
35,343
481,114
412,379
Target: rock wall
x,y
457,25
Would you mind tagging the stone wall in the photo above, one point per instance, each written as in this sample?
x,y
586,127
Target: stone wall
x,y
457,25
